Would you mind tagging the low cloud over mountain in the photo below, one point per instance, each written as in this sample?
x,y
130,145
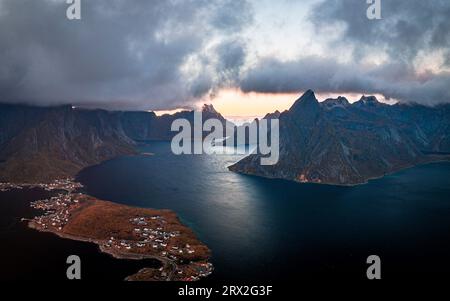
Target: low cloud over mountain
x,y
133,54
393,80
162,55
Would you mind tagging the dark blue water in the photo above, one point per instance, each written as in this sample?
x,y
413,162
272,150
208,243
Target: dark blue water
x,y
273,229
26,254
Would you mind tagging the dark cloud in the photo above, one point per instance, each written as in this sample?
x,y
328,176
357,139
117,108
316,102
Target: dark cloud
x,y
231,15
231,56
408,29
220,67
407,26
396,80
159,54
121,52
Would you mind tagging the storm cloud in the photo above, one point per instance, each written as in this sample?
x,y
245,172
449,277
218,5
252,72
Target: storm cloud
x,y
397,80
407,26
410,31
160,55
132,54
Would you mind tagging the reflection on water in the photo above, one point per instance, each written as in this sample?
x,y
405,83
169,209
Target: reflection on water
x,y
269,229
256,228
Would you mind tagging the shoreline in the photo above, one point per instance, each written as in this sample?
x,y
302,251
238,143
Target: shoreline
x,y
123,232
339,184
165,263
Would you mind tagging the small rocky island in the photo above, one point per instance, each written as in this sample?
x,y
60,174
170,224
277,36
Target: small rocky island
x,y
124,232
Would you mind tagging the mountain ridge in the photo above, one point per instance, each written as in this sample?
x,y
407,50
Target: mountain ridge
x,y
352,143
41,144
332,142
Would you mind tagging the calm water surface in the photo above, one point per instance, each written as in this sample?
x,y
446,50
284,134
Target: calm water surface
x,y
274,229
256,228
26,254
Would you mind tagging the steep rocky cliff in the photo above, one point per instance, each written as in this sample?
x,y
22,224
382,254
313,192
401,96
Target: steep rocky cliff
x,y
336,142
43,144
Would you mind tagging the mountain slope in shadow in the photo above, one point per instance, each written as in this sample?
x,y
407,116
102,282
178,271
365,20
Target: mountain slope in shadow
x,y
335,142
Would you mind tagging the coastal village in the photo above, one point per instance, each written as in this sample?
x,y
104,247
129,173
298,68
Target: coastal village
x,y
9,186
129,233
67,185
56,211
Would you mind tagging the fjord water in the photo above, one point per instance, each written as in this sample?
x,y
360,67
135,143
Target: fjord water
x,y
27,254
273,229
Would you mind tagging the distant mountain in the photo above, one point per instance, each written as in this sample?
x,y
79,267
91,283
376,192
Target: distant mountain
x,y
274,115
43,144
332,103
146,126
332,142
335,142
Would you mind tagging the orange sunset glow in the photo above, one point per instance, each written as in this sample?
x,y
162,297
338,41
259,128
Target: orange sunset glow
x,y
235,103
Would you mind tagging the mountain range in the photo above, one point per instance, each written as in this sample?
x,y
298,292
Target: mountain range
x,y
331,142
336,142
38,145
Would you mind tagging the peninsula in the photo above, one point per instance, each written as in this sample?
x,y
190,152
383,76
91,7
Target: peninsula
x,y
125,232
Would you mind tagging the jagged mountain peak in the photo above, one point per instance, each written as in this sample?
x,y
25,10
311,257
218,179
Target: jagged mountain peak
x,y
209,111
342,100
307,100
362,141
274,115
209,108
309,95
368,100
336,102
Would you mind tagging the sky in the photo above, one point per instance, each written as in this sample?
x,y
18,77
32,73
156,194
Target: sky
x,y
247,57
